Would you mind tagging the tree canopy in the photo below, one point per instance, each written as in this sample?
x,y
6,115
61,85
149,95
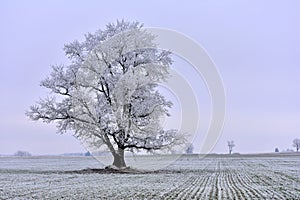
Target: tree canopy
x,y
107,96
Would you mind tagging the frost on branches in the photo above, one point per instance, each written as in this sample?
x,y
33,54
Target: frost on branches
x,y
108,94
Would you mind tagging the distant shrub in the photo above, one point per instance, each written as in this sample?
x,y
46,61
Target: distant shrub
x,y
276,150
189,149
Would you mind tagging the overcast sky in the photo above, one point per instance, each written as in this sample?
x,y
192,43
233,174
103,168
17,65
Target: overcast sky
x,y
254,44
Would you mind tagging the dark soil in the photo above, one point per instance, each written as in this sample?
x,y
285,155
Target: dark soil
x,y
127,170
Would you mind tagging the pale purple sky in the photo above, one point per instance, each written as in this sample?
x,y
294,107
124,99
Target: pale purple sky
x,y
255,45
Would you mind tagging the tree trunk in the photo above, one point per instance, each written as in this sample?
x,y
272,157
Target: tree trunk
x,y
119,160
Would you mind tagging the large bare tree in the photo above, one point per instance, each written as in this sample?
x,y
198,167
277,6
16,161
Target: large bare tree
x,y
108,94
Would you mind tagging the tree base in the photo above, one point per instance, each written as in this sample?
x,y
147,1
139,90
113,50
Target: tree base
x,y
113,167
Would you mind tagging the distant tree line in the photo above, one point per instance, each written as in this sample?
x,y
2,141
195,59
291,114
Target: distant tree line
x,y
296,144
22,153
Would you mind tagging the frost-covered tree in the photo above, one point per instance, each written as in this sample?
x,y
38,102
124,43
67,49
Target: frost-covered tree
x,y
296,144
108,94
230,146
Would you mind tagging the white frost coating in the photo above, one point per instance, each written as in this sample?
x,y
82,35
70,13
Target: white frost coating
x,y
214,177
109,96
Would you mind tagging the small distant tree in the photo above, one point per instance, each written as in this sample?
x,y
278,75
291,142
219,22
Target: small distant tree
x,y
190,149
22,153
296,143
230,146
276,150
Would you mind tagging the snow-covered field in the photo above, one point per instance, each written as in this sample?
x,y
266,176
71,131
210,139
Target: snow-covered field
x,y
214,177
